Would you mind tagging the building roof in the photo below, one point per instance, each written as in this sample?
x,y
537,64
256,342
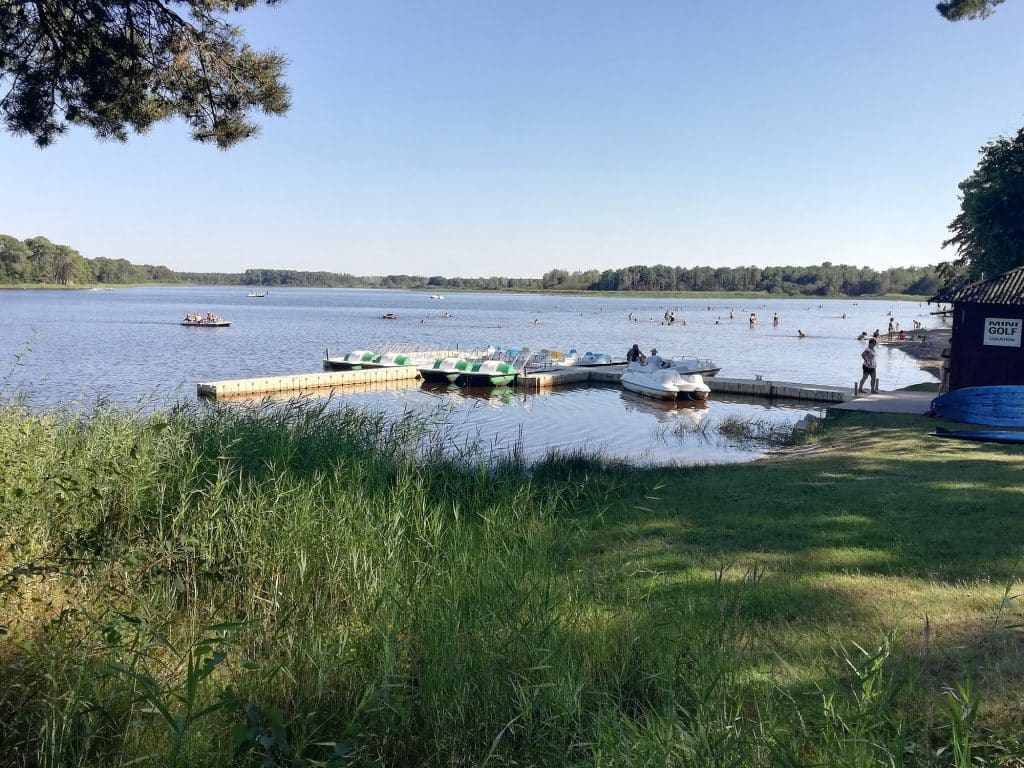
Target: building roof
x,y
1007,288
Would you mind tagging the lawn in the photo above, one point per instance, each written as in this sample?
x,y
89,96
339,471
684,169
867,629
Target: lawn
x,y
292,585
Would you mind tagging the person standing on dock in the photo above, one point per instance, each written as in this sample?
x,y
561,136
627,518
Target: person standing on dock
x,y
869,367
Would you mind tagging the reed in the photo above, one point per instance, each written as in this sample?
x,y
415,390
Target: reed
x,y
302,585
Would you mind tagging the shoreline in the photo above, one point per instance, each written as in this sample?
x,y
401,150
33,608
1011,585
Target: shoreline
x,y
924,346
737,295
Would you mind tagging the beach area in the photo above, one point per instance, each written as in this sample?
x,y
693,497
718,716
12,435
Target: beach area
x,y
924,346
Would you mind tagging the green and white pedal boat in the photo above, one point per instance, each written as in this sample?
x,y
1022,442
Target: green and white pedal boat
x,y
352,361
445,371
469,373
488,373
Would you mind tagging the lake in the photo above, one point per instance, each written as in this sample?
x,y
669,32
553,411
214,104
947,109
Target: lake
x,y
126,346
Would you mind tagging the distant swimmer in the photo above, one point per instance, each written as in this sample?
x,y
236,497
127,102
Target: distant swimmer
x,y
863,336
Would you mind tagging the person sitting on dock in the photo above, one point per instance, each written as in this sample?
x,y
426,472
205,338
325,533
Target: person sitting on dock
x,y
801,334
633,354
656,360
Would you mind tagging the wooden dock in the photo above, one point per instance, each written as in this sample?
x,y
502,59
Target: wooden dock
x,y
534,382
303,381
530,382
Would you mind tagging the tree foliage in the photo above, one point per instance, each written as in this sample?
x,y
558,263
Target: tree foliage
x,y
37,260
955,10
988,233
117,66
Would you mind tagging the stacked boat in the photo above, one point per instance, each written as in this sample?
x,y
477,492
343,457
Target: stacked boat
x,y
694,365
361,359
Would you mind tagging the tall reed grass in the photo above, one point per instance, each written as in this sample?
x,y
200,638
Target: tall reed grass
x,y
302,586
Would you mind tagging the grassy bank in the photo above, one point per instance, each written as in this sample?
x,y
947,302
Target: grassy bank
x,y
295,587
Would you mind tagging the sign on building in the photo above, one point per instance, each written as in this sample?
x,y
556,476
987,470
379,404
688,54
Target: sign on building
x,y
1002,332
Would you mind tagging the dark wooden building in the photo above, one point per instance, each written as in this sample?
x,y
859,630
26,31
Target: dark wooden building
x,y
988,324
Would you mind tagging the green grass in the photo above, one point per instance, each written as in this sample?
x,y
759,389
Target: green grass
x,y
295,586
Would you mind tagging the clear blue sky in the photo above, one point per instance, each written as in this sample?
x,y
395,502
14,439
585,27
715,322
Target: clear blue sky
x,y
477,137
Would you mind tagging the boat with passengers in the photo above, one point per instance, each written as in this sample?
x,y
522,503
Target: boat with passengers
x,y
209,320
656,378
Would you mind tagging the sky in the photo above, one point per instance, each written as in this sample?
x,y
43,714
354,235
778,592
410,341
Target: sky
x,y
478,137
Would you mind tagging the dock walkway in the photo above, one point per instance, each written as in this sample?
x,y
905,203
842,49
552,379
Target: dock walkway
x,y
891,402
531,382
268,385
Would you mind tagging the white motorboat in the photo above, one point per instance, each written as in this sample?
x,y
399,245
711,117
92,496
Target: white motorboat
x,y
594,358
691,365
664,383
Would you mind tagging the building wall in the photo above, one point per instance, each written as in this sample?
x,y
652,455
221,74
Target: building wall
x,y
975,363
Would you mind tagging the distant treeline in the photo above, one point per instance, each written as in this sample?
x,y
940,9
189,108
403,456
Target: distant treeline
x,y
37,260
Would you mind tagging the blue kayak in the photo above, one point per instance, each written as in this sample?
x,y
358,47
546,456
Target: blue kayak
x,y
982,435
989,406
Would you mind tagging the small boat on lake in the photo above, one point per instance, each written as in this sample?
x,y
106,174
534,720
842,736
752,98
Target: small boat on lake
x,y
257,294
436,296
594,358
355,360
206,323
389,316
664,383
209,320
469,373
488,373
445,371
694,365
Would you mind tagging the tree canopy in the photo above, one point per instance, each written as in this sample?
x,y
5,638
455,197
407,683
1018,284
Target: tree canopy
x,y
988,233
37,260
955,10
117,66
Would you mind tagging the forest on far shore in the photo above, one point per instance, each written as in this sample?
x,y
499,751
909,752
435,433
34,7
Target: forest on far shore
x,y
38,261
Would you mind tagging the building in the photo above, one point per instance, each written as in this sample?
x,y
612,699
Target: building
x,y
987,327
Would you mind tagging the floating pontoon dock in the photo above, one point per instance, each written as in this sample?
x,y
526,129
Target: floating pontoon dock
x,y
304,381
530,382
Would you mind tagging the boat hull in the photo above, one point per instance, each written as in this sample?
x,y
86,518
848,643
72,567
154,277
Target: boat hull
x,y
663,394
993,406
1007,437
664,383
485,380
437,376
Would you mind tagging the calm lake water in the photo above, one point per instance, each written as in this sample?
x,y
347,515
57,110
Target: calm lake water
x,y
126,345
